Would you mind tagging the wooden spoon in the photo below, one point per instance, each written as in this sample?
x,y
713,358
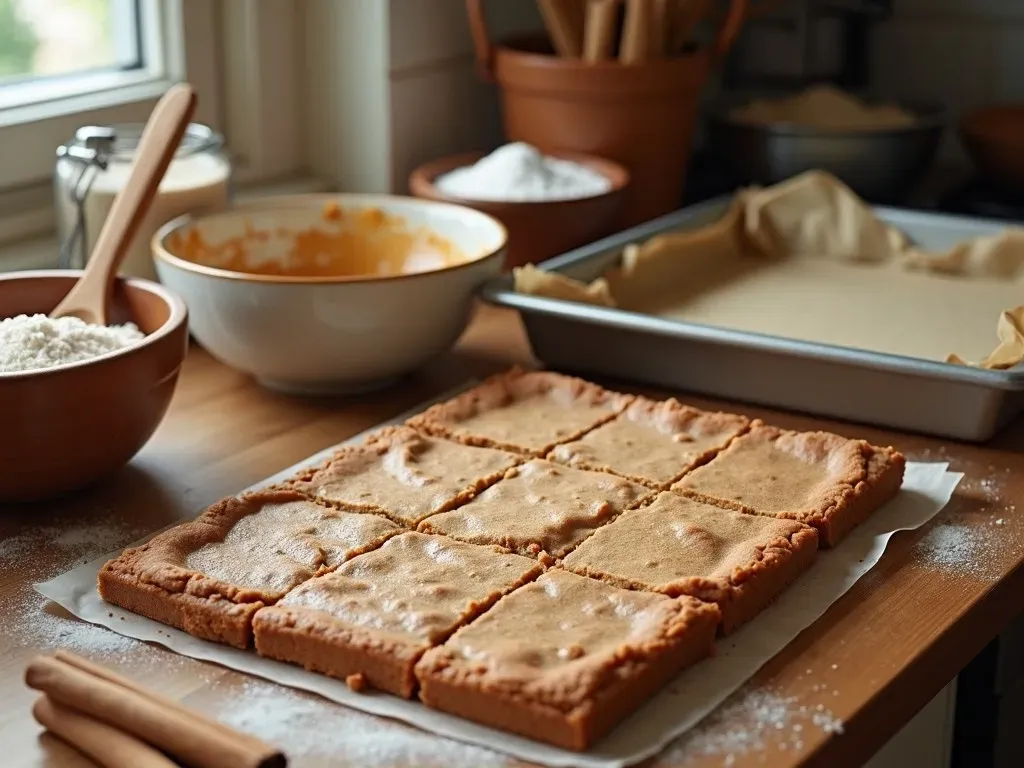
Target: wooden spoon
x,y
89,299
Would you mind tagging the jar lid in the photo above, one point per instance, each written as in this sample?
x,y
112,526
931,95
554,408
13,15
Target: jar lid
x,y
118,142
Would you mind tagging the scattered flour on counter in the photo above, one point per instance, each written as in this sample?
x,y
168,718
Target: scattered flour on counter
x,y
31,622
64,545
305,726
31,342
749,721
520,173
961,549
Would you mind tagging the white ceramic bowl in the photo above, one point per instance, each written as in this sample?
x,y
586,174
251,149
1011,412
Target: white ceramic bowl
x,y
320,335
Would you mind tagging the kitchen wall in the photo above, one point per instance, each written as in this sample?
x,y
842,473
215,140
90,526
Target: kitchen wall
x,y
964,53
439,104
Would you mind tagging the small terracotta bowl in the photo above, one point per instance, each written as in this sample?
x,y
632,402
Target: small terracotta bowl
x,y
994,138
68,426
539,230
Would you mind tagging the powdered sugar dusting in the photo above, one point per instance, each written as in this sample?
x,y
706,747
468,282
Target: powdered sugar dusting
x,y
63,544
305,726
752,720
962,549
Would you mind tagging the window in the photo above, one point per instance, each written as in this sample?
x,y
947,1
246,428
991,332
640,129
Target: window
x,y
69,63
53,48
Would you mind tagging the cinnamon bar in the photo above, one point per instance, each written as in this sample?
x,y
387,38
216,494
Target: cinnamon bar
x,y
539,507
403,475
652,442
369,622
681,546
524,412
818,478
210,576
565,658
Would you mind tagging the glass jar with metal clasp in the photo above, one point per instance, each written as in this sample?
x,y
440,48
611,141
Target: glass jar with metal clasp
x,y
93,167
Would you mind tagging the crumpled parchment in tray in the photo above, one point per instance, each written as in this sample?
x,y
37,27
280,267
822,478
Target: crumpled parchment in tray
x,y
816,215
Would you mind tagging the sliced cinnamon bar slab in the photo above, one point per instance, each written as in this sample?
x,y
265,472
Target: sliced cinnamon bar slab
x,y
210,576
540,507
403,475
521,411
653,442
370,621
565,658
681,546
818,478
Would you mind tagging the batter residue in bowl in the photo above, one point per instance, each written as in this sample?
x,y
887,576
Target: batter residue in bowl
x,y
347,242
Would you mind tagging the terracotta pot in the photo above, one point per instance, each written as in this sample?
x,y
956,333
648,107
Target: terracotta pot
x,y
994,138
68,426
539,230
641,115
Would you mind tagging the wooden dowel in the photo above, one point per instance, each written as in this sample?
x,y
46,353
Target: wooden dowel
x,y
600,30
195,741
564,25
105,745
636,32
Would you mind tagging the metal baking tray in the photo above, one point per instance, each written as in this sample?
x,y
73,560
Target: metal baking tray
x,y
889,390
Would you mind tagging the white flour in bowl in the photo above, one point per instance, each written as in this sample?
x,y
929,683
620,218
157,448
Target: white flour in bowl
x,y
520,173
31,342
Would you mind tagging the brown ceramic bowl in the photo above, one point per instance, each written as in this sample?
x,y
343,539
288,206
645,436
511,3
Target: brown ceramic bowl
x,y
68,426
539,230
994,138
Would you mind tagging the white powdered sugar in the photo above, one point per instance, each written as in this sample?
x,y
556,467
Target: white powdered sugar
x,y
752,720
965,550
32,342
306,726
520,173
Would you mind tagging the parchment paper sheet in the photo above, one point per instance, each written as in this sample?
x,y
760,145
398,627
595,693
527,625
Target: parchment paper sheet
x,y
926,490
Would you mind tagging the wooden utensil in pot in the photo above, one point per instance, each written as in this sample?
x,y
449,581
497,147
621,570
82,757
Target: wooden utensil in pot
x,y
636,33
601,30
563,20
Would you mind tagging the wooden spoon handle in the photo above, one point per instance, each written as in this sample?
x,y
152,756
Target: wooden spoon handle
x,y
600,30
160,139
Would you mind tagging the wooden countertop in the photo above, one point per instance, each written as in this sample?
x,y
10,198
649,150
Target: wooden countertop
x,y
876,657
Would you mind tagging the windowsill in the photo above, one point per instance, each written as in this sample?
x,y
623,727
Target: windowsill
x,y
43,252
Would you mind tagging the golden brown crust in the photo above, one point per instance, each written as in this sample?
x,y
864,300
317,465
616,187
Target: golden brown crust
x,y
677,545
377,614
158,580
573,407
577,705
760,473
654,442
402,474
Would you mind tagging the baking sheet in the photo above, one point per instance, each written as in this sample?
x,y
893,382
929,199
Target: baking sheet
x,y
926,489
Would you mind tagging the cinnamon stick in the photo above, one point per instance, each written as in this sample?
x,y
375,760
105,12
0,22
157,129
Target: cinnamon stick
x,y
636,32
191,739
97,670
564,25
107,746
600,29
